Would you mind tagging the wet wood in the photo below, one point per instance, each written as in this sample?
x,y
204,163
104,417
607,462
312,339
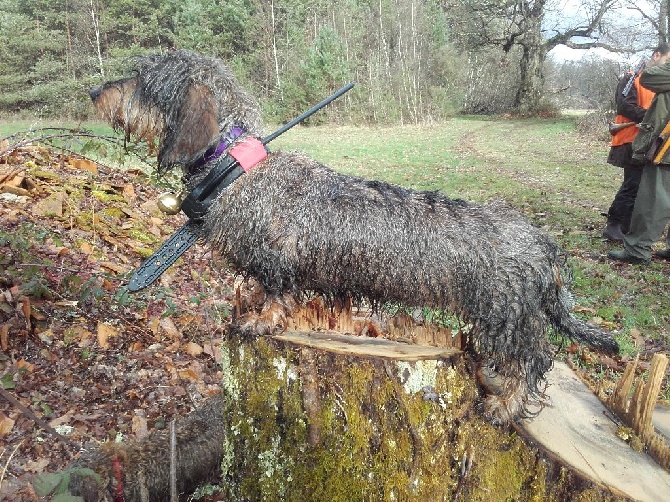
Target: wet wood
x,y
365,346
342,317
580,431
637,409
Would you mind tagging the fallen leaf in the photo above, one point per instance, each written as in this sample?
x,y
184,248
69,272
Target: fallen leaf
x,y
193,349
104,333
15,180
25,309
114,267
64,419
46,336
25,365
637,337
51,206
129,191
610,363
6,424
154,322
169,327
213,349
14,190
139,426
4,337
86,248
188,374
37,465
83,165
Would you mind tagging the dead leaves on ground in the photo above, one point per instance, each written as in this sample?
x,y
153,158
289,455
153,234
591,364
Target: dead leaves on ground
x,y
75,348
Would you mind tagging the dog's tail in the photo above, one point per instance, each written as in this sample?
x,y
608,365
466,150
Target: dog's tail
x,y
577,330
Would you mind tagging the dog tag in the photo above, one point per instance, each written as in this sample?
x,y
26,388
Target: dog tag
x,y
165,256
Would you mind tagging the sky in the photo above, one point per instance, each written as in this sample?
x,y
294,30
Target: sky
x,y
564,13
562,53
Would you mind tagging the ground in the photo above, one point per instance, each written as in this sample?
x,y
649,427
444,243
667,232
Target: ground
x,y
76,349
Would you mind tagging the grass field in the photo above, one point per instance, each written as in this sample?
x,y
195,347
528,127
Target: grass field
x,y
558,179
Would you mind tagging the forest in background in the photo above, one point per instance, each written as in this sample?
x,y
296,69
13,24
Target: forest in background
x,y
414,61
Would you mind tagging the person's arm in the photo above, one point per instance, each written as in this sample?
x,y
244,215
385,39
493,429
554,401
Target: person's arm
x,y
628,105
656,78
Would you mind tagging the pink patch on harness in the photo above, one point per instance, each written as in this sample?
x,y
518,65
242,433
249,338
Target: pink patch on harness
x,y
248,153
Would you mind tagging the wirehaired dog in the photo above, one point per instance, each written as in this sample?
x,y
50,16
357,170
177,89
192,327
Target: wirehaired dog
x,y
297,226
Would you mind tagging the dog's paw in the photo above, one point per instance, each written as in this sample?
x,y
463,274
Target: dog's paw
x,y
500,411
271,320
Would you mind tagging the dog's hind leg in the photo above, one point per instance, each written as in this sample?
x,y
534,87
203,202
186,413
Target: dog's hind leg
x,y
510,398
508,405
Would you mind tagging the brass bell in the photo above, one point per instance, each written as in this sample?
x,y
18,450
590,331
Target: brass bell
x,y
170,203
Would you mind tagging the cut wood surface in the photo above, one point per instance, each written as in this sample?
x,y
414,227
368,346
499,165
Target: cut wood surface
x,y
661,420
365,346
577,428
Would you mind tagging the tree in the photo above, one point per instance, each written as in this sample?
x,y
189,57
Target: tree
x,y
523,25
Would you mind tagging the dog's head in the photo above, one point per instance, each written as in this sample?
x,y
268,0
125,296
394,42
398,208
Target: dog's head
x,y
186,100
115,102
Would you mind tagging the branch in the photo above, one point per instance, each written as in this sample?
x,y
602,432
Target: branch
x,y
29,413
593,45
651,20
44,135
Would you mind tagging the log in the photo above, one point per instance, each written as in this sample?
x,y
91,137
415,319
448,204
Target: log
x,y
581,432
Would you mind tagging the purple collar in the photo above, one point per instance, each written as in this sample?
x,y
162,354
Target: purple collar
x,y
216,151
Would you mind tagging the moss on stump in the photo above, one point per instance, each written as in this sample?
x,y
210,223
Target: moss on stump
x,y
305,424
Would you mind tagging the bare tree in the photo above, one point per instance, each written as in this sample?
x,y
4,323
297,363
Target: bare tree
x,y
526,26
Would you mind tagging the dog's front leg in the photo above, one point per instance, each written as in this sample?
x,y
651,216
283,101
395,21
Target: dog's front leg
x,y
270,319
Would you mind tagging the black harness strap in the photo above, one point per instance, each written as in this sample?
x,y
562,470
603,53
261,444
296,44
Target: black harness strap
x,y
165,256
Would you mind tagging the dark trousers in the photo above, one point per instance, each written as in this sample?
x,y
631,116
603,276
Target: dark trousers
x,y
621,209
652,212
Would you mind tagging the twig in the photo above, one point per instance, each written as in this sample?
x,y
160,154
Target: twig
x,y
173,462
4,469
466,467
68,134
30,414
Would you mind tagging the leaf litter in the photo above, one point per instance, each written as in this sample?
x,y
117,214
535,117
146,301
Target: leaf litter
x,y
86,358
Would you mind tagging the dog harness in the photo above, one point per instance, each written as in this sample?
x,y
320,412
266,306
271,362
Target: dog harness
x,y
215,152
227,168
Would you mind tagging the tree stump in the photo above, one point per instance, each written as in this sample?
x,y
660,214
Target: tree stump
x,y
336,417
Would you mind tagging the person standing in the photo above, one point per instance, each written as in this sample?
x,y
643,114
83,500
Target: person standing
x,y
632,101
651,212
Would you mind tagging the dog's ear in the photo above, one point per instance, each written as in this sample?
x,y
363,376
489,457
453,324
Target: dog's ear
x,y
197,128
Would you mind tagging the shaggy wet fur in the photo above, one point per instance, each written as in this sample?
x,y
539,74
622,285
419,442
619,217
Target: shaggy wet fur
x,y
140,470
297,226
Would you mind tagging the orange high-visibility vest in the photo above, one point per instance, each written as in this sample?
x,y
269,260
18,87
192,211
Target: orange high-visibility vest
x,y
627,134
